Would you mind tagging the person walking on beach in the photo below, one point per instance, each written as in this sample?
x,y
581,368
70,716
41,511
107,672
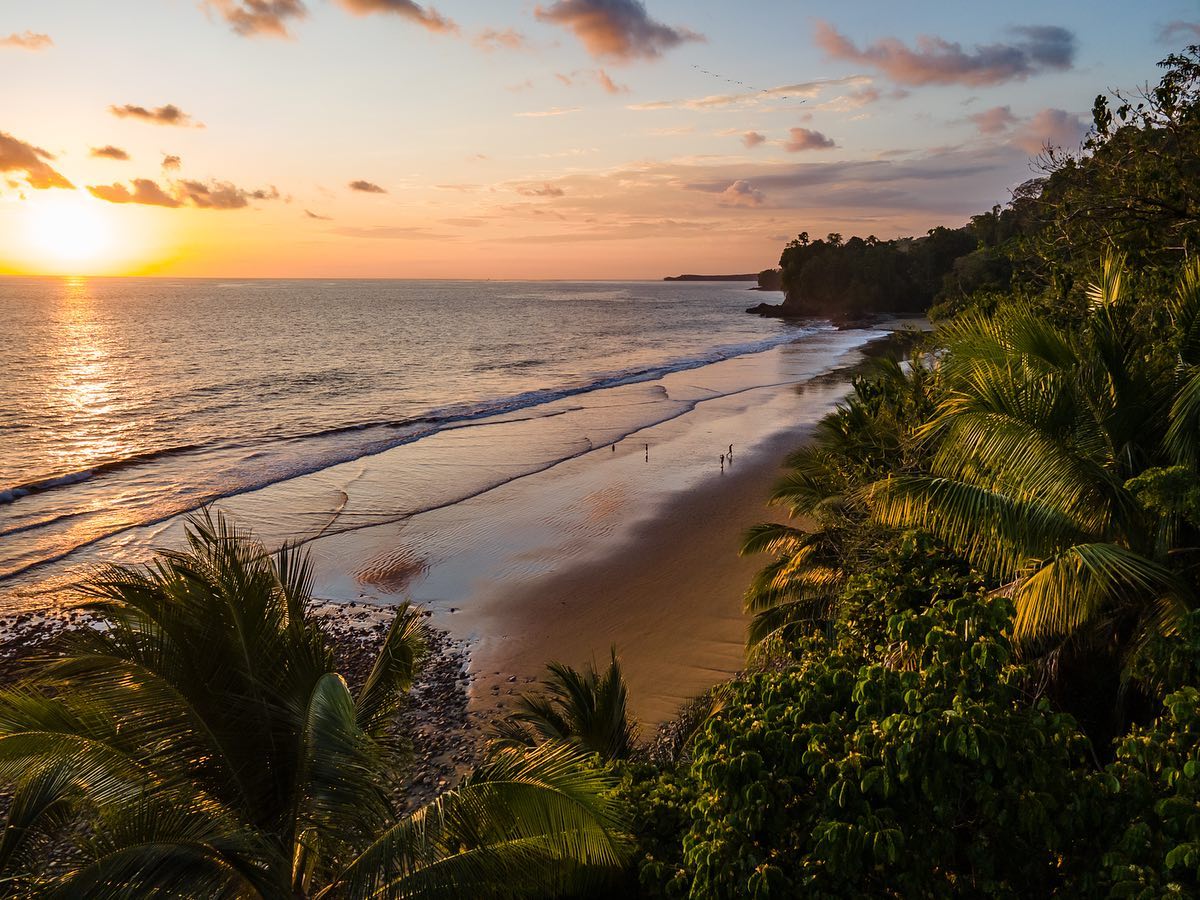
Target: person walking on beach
x,y
722,462
647,453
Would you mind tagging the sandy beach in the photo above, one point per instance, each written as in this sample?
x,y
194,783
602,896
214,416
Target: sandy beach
x,y
599,521
632,545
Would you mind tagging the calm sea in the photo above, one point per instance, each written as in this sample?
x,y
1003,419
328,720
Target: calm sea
x,y
124,402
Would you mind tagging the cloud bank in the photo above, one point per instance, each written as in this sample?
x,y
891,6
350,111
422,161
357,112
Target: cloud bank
x,y
934,60
214,195
618,30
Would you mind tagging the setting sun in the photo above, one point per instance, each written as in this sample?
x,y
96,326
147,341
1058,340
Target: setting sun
x,y
69,229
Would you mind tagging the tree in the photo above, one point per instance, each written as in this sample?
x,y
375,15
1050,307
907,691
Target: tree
x,y
1039,441
915,768
1134,185
202,743
871,435
582,709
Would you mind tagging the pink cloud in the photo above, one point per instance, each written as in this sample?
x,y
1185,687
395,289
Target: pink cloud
x,y
620,30
807,139
934,60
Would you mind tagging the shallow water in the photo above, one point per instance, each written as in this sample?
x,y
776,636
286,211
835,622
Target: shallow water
x,y
126,402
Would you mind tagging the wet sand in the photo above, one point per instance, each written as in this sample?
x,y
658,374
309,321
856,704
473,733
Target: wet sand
x,y
668,597
615,547
555,534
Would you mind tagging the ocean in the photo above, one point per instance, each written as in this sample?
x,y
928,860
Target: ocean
x,y
126,402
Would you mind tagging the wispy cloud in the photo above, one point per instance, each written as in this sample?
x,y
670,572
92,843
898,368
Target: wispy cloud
x,y
159,115
539,190
804,90
425,16
389,232
1049,128
619,30
552,111
259,18
367,187
171,163
1179,30
934,60
309,214
500,39
273,18
28,41
145,191
752,139
222,195
994,120
597,76
109,152
18,156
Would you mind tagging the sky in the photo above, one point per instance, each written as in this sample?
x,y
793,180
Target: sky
x,y
602,139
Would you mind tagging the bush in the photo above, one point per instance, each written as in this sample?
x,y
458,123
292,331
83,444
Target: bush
x,y
919,771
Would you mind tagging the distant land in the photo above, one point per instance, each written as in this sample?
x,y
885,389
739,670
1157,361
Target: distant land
x,y
750,277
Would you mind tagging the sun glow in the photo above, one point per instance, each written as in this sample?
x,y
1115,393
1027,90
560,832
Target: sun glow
x,y
70,230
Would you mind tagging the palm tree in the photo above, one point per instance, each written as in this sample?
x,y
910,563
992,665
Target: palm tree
x,y
870,435
583,709
200,742
1040,440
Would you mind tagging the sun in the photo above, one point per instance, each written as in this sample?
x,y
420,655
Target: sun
x,y
69,229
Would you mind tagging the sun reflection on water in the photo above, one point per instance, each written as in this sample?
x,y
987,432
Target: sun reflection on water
x,y
82,393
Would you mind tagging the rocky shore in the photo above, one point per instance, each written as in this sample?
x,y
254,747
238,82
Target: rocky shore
x,y
446,737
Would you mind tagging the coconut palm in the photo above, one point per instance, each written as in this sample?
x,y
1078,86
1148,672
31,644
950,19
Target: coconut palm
x,y
200,742
584,709
1039,441
868,436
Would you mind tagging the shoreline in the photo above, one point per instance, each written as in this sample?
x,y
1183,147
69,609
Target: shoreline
x,y
602,548
445,733
685,553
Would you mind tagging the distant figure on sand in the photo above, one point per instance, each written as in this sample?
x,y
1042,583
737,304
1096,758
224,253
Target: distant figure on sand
x,y
647,453
731,451
722,462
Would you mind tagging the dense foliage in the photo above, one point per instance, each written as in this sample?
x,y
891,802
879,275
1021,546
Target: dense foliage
x,y
978,643
850,279
202,744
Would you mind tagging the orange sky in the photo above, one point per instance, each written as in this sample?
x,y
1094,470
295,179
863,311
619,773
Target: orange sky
x,y
571,139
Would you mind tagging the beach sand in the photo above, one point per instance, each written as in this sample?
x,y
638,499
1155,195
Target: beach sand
x,y
616,547
668,597
597,521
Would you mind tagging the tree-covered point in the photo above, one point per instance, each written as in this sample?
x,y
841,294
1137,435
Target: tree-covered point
x,y
853,278
1133,183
